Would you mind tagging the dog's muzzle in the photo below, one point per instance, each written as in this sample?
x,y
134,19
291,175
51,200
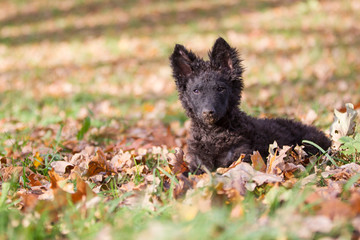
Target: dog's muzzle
x,y
208,116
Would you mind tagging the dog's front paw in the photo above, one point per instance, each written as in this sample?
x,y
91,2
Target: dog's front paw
x,y
196,165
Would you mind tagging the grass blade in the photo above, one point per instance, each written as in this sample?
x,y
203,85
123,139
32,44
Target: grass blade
x,y
322,150
85,127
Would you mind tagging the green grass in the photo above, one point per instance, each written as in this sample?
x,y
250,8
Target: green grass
x,y
282,205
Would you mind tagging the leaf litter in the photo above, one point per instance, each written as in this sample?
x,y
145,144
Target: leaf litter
x,y
143,168
143,164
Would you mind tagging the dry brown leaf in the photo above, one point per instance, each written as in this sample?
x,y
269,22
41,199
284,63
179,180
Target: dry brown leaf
x,y
270,162
290,168
176,160
237,211
83,191
310,117
99,164
97,178
122,160
335,209
257,162
59,199
134,145
277,163
29,201
243,176
135,170
34,179
3,160
95,168
54,179
356,225
321,224
100,158
299,154
8,172
196,202
355,202
184,185
343,172
314,199
62,167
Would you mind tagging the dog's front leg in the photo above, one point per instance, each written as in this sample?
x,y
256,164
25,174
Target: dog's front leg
x,y
246,149
197,165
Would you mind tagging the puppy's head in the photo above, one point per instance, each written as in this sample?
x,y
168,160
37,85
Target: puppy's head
x,y
208,89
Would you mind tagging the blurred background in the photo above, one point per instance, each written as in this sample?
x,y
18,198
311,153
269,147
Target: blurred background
x,y
108,59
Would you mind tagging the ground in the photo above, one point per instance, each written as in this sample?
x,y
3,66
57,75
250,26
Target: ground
x,y
87,102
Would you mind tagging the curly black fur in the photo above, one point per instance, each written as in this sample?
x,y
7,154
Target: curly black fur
x,y
210,92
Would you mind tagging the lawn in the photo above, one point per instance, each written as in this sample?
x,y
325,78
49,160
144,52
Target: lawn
x,y
92,131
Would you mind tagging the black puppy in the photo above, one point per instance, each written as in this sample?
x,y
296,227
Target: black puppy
x,y
210,92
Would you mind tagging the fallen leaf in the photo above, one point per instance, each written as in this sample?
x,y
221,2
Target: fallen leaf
x,y
356,223
257,162
270,162
95,168
134,145
183,186
335,208
83,190
99,164
34,180
8,172
38,160
321,224
343,124
29,201
176,160
343,172
122,160
54,179
237,211
355,202
277,162
244,176
310,117
62,167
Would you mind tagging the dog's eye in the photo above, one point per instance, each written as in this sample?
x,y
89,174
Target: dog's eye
x,y
196,91
220,89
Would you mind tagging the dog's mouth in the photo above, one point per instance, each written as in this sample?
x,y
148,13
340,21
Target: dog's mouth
x,y
209,120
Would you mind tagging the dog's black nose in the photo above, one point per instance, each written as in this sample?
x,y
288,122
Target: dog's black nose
x,y
208,113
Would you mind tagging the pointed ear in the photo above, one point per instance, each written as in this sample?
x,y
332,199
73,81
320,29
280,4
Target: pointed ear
x,y
181,60
222,56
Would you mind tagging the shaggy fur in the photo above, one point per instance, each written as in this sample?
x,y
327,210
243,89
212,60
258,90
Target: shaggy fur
x,y
210,92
